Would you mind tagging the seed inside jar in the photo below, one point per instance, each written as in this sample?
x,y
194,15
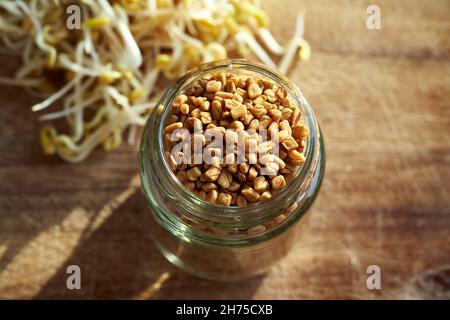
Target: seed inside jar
x,y
238,120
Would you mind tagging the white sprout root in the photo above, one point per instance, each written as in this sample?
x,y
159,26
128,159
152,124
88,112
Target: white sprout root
x,y
111,66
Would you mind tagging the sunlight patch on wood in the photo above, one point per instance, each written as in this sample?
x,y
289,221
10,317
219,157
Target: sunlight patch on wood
x,y
37,262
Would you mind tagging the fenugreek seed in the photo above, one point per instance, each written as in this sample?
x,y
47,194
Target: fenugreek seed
x,y
230,158
225,114
201,194
231,137
212,174
230,86
254,91
289,144
278,182
205,117
268,106
286,101
270,94
216,160
179,100
231,104
209,186
213,86
273,129
172,127
221,76
252,174
254,124
260,184
242,177
252,158
233,198
189,185
196,113
194,173
265,147
282,154
224,199
250,194
296,162
251,80
224,122
171,119
264,122
224,95
199,100
199,184
281,93
284,125
275,114
204,105
280,218
238,98
295,116
224,179
239,112
283,135
237,125
234,186
247,119
243,167
281,164
171,161
286,114
198,140
233,168
266,195
258,111
240,201
300,131
254,136
260,100
241,92
295,155
198,91
216,110
212,196
242,83
209,96
271,169
256,230
184,109
182,176
268,84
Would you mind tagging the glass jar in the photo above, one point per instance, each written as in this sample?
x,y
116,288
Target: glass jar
x,y
219,242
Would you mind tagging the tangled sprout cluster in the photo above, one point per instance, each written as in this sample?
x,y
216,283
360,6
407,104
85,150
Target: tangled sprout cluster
x,y
111,64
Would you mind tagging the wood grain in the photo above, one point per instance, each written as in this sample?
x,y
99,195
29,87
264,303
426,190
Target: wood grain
x,y
383,100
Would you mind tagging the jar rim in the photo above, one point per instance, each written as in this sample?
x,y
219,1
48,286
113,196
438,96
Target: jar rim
x,y
255,211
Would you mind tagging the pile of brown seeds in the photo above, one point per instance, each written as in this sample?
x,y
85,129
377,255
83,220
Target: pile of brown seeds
x,y
227,101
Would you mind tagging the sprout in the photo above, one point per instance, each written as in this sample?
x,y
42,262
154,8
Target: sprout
x,y
293,46
113,63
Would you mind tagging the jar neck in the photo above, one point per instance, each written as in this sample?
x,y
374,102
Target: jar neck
x,y
193,207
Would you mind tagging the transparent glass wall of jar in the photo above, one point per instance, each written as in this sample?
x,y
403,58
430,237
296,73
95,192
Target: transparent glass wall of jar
x,y
218,242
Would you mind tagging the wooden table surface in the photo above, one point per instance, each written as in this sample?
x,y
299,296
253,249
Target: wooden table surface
x,y
383,100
